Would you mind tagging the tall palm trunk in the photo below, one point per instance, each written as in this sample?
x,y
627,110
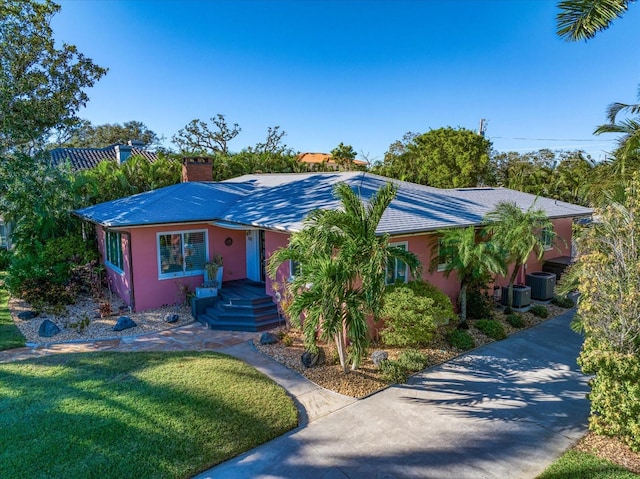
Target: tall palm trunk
x,y
512,281
342,353
463,303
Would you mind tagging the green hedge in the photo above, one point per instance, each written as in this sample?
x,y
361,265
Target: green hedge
x,y
412,312
615,393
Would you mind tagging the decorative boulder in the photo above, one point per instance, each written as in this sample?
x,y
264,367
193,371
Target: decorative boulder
x,y
310,359
378,356
124,322
268,338
48,329
171,318
27,315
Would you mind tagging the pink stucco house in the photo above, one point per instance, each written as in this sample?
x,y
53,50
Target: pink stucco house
x,y
155,244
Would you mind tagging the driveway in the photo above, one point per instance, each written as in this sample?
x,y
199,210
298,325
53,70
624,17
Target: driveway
x,y
506,410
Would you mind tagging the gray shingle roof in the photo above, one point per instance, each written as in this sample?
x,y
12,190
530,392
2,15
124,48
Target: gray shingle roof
x,y
181,203
87,158
282,201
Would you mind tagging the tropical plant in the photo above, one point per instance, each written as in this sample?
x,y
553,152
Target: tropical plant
x,y
517,234
582,19
468,258
341,278
629,143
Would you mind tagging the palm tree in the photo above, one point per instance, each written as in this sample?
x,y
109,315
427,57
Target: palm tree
x,y
629,142
342,261
517,234
582,19
471,260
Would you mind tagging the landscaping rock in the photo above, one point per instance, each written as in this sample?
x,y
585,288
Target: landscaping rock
x,y
310,359
171,318
124,322
48,329
378,356
268,338
27,315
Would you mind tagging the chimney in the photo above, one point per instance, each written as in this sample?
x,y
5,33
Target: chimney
x,y
197,169
123,152
136,144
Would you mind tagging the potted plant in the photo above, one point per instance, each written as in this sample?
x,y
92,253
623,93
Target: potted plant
x,y
213,270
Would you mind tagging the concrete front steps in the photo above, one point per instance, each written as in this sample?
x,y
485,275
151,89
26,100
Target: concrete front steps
x,y
242,306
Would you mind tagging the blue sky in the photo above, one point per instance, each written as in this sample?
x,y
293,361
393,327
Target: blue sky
x,y
359,72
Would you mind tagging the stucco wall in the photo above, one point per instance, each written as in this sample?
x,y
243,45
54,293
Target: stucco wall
x,y
151,291
119,281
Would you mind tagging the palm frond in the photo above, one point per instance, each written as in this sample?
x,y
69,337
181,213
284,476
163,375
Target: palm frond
x,y
582,19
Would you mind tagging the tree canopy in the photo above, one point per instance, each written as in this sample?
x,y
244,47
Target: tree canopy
x,y
41,86
86,135
444,158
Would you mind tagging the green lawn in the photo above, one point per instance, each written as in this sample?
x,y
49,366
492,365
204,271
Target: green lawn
x,y
580,465
142,415
10,336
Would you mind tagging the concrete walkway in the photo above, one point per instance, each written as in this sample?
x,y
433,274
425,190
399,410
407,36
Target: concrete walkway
x,y
312,401
508,409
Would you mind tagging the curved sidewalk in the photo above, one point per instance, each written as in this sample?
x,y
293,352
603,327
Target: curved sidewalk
x,y
312,400
508,409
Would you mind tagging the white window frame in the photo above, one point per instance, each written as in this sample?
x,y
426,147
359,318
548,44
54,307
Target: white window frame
x,y
292,269
441,266
183,273
116,264
547,237
398,244
4,242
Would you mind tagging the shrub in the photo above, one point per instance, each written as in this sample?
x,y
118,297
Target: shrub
x,y
412,312
45,275
515,320
412,360
539,311
461,339
479,304
563,301
5,259
491,328
392,371
615,392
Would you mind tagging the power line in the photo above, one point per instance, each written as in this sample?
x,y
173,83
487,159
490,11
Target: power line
x,y
548,139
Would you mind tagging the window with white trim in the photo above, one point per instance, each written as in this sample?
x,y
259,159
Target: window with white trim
x,y
396,268
3,235
181,253
294,268
113,250
444,260
547,236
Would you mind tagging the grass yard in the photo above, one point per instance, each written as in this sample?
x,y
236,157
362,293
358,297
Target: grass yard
x,y
143,415
10,336
581,465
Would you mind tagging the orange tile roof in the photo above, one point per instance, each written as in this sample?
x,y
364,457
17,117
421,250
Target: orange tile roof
x,y
317,158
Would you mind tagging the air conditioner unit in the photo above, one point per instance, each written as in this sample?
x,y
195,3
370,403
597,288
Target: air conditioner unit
x,y
543,285
521,296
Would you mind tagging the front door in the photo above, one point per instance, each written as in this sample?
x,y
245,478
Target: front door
x,y
255,255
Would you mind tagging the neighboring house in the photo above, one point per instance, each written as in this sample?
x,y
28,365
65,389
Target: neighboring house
x,y
155,244
4,235
87,158
324,161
